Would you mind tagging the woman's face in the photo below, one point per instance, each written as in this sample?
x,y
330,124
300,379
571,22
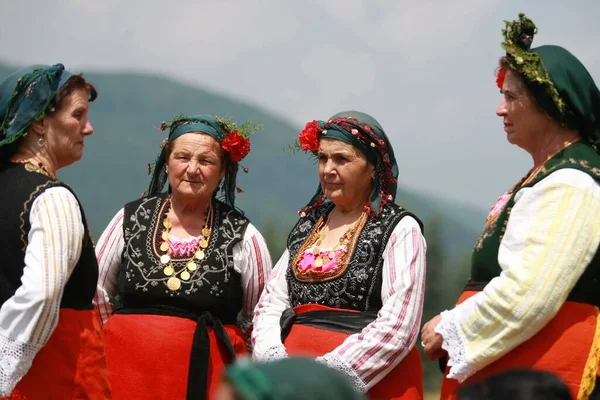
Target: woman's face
x,y
345,173
195,166
66,129
524,122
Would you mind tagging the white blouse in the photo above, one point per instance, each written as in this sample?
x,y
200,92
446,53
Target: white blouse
x,y
251,260
29,317
365,357
552,235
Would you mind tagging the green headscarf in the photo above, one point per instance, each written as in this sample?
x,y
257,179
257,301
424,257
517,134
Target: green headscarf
x,y
26,96
560,83
290,379
365,133
225,133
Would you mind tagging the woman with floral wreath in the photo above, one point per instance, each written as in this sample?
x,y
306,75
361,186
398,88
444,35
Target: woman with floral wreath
x,y
183,268
349,288
533,297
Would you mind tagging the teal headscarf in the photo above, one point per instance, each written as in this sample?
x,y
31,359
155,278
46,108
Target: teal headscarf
x,y
290,379
560,83
365,133
26,96
213,127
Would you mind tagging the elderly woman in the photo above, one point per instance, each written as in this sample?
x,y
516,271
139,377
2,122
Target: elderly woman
x,y
349,287
187,269
533,297
50,341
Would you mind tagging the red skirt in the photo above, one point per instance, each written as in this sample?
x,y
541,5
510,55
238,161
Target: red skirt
x,y
568,346
405,381
148,355
71,365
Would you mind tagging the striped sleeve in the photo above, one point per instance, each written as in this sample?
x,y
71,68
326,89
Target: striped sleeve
x,y
367,357
108,251
29,317
253,261
552,235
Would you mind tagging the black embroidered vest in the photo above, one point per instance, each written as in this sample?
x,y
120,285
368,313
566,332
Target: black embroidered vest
x,y
359,287
20,188
214,286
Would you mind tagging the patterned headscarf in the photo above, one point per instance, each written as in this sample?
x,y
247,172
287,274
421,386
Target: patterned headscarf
x,y
232,139
290,379
559,82
365,133
26,96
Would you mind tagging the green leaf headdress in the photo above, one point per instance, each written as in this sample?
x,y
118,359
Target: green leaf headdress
x,y
559,82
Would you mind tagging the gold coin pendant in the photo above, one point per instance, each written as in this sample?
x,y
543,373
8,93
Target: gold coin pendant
x,y
168,271
173,283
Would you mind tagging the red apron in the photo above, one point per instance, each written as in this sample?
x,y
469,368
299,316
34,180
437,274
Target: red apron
x,y
405,381
148,355
568,346
71,365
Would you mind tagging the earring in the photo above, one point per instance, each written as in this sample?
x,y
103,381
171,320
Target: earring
x,y
41,142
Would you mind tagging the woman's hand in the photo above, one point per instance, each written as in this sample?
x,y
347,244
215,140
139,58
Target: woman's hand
x,y
432,341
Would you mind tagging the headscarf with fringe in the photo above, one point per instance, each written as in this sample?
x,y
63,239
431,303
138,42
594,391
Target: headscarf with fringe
x,y
212,126
26,96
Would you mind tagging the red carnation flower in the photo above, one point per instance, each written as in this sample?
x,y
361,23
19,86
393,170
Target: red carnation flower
x,y
500,78
236,145
309,137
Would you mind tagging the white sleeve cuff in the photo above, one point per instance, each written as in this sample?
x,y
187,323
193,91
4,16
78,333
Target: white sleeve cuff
x,y
16,358
455,346
336,362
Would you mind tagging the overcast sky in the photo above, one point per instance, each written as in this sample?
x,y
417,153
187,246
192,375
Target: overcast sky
x,y
424,69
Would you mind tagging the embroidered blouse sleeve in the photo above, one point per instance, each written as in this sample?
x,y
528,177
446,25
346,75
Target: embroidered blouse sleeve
x,y
109,250
266,335
29,317
369,356
551,236
253,261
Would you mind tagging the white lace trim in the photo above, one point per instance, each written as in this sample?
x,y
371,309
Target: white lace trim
x,y
16,358
273,354
452,342
336,362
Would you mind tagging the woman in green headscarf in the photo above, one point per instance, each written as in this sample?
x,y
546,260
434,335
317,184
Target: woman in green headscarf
x,y
50,339
533,297
286,379
186,266
349,288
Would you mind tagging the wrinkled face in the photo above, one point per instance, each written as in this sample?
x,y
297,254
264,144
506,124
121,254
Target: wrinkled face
x,y
195,166
524,121
345,173
66,129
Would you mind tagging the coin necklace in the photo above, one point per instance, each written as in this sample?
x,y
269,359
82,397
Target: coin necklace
x,y
174,282
342,243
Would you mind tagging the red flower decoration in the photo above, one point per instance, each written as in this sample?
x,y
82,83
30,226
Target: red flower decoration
x,y
236,145
500,78
309,137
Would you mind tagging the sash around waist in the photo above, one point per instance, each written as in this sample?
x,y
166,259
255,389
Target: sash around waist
x,y
333,320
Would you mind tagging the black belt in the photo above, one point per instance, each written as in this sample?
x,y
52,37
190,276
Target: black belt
x,y
197,386
332,320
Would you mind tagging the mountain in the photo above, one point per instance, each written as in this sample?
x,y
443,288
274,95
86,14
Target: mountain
x,y
126,116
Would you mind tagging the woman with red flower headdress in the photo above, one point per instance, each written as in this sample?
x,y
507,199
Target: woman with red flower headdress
x,y
349,288
181,271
